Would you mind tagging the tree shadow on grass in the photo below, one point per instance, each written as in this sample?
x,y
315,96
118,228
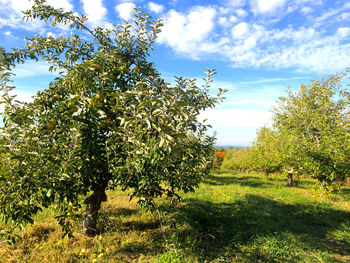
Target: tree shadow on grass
x,y
241,180
140,226
111,220
215,231
225,172
252,229
345,193
118,220
260,182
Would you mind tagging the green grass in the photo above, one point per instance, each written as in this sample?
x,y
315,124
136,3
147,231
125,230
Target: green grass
x,y
230,218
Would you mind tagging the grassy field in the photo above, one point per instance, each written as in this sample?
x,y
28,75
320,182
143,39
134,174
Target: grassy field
x,y
230,218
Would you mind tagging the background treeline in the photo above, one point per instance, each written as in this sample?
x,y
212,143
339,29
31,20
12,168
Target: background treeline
x,y
309,135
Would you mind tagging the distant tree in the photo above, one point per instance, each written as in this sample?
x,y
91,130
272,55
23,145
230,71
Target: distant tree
x,y
107,120
266,151
313,124
238,159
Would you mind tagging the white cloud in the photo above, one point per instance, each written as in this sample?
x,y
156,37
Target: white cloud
x,y
343,16
343,32
235,136
24,96
21,96
22,5
301,34
233,19
235,3
125,10
336,13
186,32
270,80
8,33
265,103
17,5
15,21
240,30
223,10
95,12
227,32
306,9
31,69
11,13
249,44
50,34
308,50
222,20
266,6
236,118
241,12
156,8
61,4
227,21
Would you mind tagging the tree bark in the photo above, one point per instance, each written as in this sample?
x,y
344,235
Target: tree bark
x,y
290,181
93,205
266,175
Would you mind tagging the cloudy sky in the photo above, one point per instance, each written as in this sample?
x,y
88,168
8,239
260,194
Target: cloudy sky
x,y
258,47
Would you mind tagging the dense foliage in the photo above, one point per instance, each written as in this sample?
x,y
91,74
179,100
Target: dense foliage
x,y
238,159
310,135
266,151
107,120
314,127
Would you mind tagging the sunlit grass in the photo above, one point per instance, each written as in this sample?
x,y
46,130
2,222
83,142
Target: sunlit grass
x,y
230,218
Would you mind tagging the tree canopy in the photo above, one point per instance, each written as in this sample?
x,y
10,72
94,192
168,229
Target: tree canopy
x,y
107,120
314,126
266,151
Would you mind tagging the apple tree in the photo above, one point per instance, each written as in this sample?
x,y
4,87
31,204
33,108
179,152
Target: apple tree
x,y
107,120
238,159
266,151
314,126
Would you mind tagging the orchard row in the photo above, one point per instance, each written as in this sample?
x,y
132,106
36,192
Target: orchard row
x,y
309,135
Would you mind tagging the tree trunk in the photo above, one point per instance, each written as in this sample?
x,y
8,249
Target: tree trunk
x,y
93,204
290,181
266,175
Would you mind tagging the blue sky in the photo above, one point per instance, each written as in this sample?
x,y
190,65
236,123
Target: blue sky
x,y
258,47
